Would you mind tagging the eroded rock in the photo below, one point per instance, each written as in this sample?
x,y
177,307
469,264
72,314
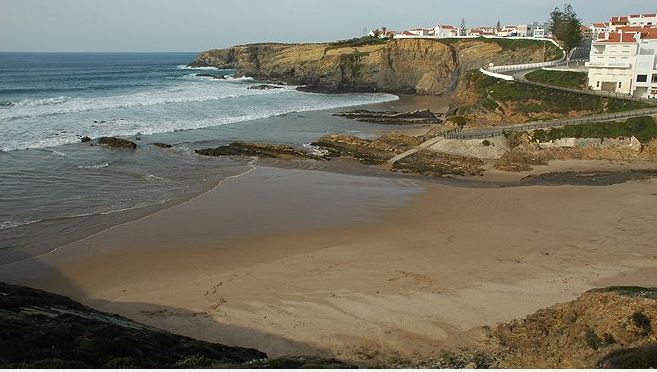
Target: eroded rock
x,y
118,143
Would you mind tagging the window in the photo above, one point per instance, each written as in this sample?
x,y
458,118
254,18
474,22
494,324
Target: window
x,y
654,78
620,84
641,78
598,85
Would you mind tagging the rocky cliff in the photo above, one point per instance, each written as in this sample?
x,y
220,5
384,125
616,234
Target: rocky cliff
x,y
413,66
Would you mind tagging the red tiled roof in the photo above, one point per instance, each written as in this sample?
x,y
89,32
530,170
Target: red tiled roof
x,y
643,15
447,26
599,24
617,37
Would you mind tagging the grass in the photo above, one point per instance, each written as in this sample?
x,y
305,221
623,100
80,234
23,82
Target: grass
x,y
566,79
551,51
534,99
644,129
356,42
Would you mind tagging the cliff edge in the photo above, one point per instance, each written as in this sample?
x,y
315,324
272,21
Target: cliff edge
x,y
402,66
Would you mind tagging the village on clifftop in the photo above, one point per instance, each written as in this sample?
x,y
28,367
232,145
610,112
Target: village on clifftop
x,y
620,54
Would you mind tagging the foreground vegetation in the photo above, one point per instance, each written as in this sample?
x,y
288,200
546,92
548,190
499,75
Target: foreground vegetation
x,y
546,102
566,79
551,51
42,330
644,129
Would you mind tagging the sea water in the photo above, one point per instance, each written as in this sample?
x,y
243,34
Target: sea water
x,y
53,187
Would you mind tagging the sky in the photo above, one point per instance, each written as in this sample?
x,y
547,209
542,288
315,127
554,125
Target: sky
x,y
196,25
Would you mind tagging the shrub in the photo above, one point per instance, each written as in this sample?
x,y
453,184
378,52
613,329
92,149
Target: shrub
x,y
642,322
644,129
486,143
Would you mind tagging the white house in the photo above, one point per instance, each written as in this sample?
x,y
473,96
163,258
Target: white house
x,y
598,28
446,31
641,20
508,31
624,62
534,29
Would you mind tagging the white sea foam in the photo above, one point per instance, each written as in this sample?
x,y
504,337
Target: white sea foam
x,y
94,166
189,104
185,67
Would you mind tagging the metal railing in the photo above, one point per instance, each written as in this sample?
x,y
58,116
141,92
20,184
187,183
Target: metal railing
x,y
525,66
597,93
496,131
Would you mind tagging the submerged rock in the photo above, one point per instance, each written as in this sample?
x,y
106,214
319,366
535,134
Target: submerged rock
x,y
264,87
256,149
162,145
119,143
85,139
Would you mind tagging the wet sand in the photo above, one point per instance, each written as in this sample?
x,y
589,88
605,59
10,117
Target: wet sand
x,y
363,268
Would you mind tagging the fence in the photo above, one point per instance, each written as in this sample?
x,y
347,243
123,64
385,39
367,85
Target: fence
x,y
598,93
492,132
526,66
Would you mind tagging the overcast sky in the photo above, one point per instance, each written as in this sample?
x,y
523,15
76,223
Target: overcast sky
x,y
195,25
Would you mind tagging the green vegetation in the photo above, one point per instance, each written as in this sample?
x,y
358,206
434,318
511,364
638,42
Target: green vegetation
x,y
644,129
566,79
356,42
629,291
551,51
527,98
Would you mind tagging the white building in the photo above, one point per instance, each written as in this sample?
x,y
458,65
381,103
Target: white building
x,y
599,28
446,31
641,20
533,30
625,62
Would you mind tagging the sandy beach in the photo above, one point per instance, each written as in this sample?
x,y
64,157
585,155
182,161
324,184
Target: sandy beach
x,y
363,268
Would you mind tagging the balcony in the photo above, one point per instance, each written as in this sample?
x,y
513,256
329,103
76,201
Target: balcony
x,y
602,64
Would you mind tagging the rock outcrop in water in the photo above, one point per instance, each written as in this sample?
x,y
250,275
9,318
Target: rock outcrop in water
x,y
118,143
264,87
422,117
256,149
413,66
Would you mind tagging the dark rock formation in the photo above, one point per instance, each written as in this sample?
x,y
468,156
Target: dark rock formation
x,y
218,77
264,87
256,149
43,330
162,145
117,143
431,163
366,151
393,117
85,139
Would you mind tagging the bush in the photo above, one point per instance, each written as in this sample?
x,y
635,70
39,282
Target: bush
x,y
461,121
644,129
642,322
486,143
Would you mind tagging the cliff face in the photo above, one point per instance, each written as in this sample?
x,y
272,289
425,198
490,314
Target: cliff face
x,y
414,66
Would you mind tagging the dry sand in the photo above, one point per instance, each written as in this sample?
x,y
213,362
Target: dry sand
x,y
361,279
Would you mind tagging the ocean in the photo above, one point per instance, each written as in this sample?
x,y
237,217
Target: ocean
x,y
53,188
